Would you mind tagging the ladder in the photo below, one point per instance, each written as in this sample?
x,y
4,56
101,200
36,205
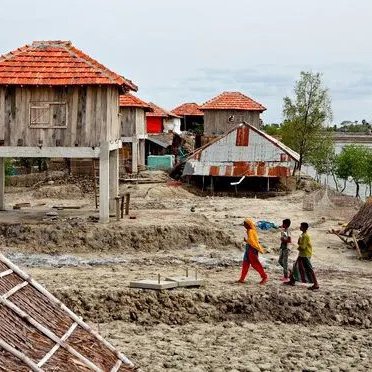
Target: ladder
x,y
95,176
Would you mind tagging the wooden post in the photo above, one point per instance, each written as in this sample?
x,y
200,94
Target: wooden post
x,y
268,184
212,186
2,184
104,183
113,178
134,155
117,203
127,201
141,152
122,206
203,185
357,246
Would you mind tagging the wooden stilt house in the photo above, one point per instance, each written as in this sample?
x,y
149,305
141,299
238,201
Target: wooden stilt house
x,y
57,102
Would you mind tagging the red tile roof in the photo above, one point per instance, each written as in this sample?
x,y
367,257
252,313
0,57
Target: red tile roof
x,y
56,63
188,109
232,101
129,100
158,111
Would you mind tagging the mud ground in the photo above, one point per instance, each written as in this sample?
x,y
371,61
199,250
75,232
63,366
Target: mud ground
x,y
220,327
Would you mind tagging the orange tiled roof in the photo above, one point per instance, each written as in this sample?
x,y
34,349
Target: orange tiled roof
x,y
158,111
232,101
56,63
188,109
129,100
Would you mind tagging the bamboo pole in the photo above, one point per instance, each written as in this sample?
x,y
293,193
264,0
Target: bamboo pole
x,y
52,351
357,246
18,354
63,307
5,273
15,289
48,333
117,366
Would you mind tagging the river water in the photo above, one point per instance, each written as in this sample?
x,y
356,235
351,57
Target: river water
x,y
350,185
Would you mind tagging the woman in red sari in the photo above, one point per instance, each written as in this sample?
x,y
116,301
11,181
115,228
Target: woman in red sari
x,y
252,248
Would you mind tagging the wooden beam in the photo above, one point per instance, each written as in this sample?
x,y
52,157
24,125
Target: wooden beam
x,y
357,246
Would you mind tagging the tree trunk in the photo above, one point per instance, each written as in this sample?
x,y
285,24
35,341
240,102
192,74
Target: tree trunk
x,y
357,189
343,189
335,181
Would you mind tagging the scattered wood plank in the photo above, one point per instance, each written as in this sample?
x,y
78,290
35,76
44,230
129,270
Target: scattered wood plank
x,y
61,207
357,246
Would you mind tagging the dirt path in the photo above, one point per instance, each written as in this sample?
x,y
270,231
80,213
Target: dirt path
x,y
222,326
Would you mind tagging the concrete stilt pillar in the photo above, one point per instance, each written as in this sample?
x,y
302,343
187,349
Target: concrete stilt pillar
x,y
114,178
134,155
2,184
104,183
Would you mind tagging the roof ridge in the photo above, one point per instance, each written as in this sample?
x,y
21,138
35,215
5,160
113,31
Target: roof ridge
x,y
94,63
38,53
215,100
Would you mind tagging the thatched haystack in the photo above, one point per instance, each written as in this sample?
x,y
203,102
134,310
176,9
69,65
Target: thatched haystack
x,y
362,224
39,333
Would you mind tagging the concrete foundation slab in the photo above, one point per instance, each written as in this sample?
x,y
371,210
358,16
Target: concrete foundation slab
x,y
153,284
185,281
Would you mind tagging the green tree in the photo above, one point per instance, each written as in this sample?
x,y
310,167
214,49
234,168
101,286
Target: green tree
x,y
322,155
352,162
272,129
306,115
367,178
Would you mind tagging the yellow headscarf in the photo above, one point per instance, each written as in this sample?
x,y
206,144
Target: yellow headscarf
x,y
252,236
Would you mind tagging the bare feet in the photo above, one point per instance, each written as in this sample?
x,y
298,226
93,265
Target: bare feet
x,y
264,280
313,288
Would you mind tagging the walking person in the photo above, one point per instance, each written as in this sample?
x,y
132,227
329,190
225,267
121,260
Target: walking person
x,y
252,248
285,240
302,269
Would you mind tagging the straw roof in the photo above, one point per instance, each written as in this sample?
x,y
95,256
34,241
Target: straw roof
x,y
362,221
39,333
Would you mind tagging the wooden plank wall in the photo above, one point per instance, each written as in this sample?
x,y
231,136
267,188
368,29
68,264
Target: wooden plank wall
x,y
127,121
132,121
92,116
216,122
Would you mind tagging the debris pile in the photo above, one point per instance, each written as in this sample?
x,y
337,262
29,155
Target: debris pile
x,y
361,223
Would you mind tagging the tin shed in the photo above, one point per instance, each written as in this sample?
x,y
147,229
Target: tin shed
x,y
244,151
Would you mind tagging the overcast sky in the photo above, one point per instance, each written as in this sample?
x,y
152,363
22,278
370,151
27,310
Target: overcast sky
x,y
190,50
